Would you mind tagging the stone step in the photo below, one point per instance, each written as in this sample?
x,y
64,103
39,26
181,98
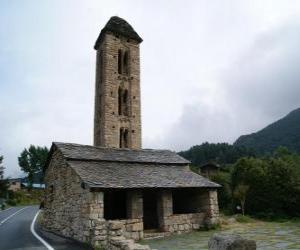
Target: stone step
x,y
155,235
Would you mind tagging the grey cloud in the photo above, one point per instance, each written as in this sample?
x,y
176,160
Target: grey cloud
x,y
261,87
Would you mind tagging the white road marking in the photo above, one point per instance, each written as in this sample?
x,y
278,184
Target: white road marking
x,y
36,235
6,209
7,218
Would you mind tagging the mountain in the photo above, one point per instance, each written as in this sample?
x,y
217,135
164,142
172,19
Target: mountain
x,y
285,132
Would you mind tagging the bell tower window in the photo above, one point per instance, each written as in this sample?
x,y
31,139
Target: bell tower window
x,y
123,102
123,62
124,138
120,61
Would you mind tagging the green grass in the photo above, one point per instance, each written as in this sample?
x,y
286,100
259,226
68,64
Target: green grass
x,y
244,219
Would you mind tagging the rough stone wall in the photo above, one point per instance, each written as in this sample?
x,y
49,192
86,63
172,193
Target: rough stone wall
x,y
107,121
210,207
208,213
70,210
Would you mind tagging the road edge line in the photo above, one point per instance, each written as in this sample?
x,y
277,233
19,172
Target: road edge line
x,y
12,215
47,245
6,209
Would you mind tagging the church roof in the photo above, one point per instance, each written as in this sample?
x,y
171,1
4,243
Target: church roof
x,y
118,26
137,175
100,167
92,153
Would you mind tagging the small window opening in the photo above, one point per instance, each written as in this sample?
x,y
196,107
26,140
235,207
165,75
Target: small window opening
x,y
126,63
125,103
124,141
120,55
115,205
123,62
120,93
123,108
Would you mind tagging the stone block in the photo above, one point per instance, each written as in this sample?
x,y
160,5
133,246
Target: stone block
x,y
230,242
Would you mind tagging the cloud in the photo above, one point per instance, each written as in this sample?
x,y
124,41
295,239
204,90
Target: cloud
x,y
261,86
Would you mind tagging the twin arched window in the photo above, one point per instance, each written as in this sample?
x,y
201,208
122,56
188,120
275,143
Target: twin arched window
x,y
123,62
123,101
124,138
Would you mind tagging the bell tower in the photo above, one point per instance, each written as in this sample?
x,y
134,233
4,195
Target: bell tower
x,y
117,118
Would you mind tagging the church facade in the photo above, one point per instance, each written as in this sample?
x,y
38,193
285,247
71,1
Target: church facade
x,y
115,192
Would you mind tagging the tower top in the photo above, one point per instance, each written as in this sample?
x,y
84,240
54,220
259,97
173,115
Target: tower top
x,y
118,26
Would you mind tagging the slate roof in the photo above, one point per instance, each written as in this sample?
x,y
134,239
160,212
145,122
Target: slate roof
x,y
118,26
91,153
136,175
100,167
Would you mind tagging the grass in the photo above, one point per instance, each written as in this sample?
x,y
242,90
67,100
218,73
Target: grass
x,y
25,197
244,218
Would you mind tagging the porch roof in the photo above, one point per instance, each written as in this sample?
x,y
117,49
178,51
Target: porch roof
x,y
137,175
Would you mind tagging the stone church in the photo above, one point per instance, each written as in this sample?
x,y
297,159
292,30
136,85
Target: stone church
x,y
115,189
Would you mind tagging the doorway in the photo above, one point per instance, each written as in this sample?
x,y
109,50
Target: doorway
x,y
150,210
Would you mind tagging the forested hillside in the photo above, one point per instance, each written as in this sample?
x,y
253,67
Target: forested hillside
x,y
285,132
220,153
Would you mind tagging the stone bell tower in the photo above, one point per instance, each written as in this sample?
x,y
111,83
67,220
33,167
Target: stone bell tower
x,y
117,120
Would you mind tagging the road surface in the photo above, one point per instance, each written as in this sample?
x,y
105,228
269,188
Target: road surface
x,y
16,232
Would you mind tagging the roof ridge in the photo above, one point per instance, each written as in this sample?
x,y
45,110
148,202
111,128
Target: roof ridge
x,y
114,148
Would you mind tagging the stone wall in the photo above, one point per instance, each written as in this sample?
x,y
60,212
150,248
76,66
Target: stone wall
x,y
107,121
207,215
211,207
180,223
70,209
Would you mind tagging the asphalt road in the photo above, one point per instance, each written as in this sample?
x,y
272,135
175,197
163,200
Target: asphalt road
x,y
15,232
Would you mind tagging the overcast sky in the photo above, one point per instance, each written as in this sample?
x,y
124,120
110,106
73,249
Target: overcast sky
x,y
210,70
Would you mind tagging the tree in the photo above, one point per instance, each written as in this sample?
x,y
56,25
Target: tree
x,y
33,160
240,193
224,193
3,182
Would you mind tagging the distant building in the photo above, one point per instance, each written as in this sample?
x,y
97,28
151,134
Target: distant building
x,y
209,169
14,184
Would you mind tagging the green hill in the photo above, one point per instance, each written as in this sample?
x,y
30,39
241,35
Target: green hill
x,y
285,132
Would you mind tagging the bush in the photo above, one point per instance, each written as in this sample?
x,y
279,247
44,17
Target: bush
x,y
11,202
243,218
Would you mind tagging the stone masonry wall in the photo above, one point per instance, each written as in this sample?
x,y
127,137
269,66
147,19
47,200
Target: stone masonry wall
x,y
211,207
70,209
107,121
208,214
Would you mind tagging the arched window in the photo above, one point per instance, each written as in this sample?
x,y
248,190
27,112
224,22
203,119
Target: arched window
x,y
126,63
126,138
123,62
124,141
120,101
120,61
125,102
